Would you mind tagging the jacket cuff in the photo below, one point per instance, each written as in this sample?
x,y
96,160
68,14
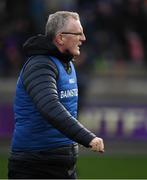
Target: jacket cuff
x,y
87,139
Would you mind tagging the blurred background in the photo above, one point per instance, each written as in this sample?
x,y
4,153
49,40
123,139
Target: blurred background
x,y
112,74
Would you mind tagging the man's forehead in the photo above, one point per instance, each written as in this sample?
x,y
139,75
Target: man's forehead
x,y
73,23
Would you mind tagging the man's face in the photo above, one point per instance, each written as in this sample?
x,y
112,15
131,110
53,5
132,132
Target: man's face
x,y
73,37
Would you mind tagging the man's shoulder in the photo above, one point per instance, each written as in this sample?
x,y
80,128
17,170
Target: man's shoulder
x,y
38,59
39,63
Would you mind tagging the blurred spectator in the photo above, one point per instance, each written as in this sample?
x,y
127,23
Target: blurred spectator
x,y
135,47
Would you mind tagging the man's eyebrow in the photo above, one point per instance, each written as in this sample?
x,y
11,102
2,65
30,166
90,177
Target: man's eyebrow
x,y
72,33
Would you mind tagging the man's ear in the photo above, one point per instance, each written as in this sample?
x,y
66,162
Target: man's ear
x,y
59,39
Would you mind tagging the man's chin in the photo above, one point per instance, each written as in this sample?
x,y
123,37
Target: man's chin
x,y
77,54
73,54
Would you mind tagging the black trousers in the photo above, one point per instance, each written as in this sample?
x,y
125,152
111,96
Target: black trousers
x,y
59,163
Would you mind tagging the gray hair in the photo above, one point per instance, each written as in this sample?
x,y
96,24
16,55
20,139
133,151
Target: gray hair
x,y
57,22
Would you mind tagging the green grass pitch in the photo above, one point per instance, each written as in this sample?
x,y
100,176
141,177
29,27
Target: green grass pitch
x,y
112,167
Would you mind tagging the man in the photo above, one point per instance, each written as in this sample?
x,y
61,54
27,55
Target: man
x,y
46,131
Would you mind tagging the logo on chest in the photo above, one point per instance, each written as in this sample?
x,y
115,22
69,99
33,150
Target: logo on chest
x,y
69,93
71,81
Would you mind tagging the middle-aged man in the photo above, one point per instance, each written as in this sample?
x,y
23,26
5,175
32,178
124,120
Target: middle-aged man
x,y
47,133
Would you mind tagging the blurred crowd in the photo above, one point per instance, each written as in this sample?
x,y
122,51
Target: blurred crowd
x,y
115,31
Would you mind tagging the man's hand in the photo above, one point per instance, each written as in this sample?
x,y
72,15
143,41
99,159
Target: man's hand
x,y
97,145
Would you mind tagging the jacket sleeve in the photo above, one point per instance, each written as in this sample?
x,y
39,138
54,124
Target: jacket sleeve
x,y
39,79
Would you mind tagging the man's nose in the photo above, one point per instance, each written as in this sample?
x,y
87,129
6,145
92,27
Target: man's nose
x,y
83,38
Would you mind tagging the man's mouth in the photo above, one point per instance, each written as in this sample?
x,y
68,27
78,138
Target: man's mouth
x,y
78,46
